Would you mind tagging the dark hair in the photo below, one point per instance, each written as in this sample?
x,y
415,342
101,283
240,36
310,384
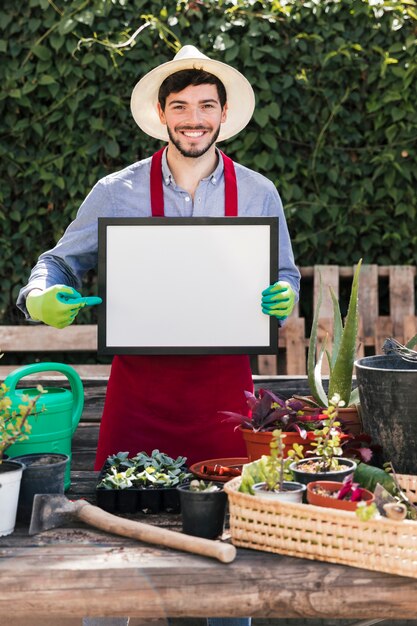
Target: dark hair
x,y
178,81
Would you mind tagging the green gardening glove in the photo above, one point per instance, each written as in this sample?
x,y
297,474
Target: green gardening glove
x,y
58,305
278,300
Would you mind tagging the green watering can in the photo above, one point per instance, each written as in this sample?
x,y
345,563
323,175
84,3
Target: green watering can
x,y
57,416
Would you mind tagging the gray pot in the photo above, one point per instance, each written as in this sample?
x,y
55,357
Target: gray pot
x,y
388,402
293,492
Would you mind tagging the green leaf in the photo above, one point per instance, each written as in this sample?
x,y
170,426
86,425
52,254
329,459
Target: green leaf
x,y
337,327
369,476
112,148
85,17
101,60
341,380
66,26
42,52
46,79
269,140
261,117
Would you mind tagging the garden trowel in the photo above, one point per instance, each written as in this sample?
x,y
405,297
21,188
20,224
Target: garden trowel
x,y
54,510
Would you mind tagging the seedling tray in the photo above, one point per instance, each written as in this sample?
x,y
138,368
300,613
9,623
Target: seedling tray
x,y
135,500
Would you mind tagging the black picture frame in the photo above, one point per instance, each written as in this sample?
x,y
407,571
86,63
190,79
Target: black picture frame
x,y
126,246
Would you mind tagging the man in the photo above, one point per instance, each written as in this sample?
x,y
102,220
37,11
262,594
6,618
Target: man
x,y
171,402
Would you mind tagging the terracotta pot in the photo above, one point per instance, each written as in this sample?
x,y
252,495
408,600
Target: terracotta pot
x,y
333,503
349,417
306,477
257,442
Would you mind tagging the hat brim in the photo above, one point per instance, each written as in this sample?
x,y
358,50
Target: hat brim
x,y
240,96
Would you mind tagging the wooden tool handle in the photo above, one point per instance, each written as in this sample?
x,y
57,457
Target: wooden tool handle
x,y
94,516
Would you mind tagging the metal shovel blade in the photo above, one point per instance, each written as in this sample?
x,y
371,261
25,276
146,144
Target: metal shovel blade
x,y
50,511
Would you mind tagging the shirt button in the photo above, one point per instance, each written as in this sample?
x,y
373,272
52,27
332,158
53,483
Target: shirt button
x,y
187,198
214,180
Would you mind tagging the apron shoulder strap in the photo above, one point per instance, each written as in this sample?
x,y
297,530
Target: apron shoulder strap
x,y
157,190
230,187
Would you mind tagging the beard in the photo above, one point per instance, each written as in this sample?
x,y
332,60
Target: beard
x,y
196,152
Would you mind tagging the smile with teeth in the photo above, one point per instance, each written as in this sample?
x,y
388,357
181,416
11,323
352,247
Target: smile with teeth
x,y
193,134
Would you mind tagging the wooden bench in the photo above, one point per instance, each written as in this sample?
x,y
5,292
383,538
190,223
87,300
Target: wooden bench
x,y
386,304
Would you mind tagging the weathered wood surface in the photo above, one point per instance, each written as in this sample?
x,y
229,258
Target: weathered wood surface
x,y
393,285
79,571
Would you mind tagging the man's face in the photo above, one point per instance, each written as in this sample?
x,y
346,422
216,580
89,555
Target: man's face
x,y
193,117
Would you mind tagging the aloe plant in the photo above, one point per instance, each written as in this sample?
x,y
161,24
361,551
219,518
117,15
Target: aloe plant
x,y
342,358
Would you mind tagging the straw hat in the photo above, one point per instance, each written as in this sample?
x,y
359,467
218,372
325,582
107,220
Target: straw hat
x,y
240,96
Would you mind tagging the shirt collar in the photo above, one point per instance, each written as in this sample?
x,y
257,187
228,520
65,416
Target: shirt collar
x,y
214,177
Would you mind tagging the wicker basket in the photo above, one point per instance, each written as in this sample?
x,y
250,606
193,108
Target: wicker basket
x,y
322,534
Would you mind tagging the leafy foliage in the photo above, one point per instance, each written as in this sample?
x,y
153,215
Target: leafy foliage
x,y
143,470
269,412
335,125
13,421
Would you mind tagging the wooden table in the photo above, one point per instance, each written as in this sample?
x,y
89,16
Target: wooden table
x,y
77,571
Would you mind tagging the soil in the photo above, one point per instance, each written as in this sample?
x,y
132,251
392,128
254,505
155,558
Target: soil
x,y
45,460
330,494
310,467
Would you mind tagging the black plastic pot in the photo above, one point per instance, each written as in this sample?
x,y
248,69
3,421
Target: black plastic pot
x,y
304,477
202,512
43,473
388,402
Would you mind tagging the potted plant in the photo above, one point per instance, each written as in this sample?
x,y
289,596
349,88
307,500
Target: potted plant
x,y
341,360
328,464
44,473
13,427
275,485
387,385
269,412
144,482
203,508
332,494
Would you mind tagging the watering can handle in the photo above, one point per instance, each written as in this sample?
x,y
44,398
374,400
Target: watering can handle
x,y
74,380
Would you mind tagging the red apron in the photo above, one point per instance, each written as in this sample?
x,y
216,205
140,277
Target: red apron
x,y
172,403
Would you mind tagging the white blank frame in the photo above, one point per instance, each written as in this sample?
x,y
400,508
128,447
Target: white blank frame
x,y
186,285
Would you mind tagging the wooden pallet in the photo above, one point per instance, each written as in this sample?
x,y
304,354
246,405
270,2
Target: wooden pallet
x,y
386,305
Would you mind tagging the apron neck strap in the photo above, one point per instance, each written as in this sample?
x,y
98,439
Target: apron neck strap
x,y
157,189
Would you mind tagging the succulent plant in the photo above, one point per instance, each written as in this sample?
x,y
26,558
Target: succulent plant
x,y
342,358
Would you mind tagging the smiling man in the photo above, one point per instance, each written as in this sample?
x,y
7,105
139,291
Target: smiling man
x,y
194,119
172,403
190,103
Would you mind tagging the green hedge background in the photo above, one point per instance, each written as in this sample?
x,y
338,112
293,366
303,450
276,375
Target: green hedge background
x,y
335,125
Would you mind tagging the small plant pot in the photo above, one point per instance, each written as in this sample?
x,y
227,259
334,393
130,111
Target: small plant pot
x,y
292,492
202,512
320,499
43,473
10,480
305,477
258,442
